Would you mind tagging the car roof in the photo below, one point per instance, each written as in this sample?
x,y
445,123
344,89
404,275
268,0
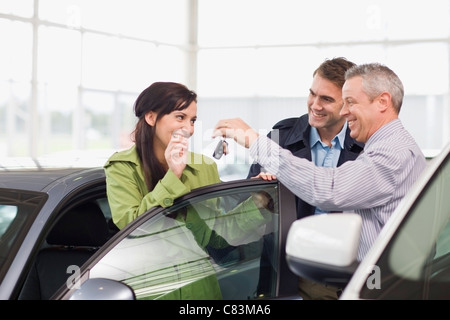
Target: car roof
x,y
34,179
36,174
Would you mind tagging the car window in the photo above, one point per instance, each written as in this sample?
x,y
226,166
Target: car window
x,y
219,245
7,214
416,263
18,209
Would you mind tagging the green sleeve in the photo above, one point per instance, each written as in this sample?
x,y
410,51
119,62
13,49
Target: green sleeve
x,y
128,196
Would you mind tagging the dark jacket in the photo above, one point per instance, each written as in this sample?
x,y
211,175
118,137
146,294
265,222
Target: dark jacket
x,y
293,134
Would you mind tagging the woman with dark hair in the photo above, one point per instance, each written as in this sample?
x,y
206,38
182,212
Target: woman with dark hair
x,y
158,168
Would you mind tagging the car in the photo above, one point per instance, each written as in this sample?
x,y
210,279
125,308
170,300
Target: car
x,y
410,259
58,241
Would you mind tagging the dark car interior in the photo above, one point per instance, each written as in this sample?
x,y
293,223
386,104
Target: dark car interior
x,y
75,237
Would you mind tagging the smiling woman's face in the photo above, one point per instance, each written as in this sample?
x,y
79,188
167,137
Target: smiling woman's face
x,y
178,119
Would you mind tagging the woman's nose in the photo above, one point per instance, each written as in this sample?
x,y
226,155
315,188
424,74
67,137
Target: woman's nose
x,y
188,128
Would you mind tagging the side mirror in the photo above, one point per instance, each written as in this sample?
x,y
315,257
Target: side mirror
x,y
323,248
103,289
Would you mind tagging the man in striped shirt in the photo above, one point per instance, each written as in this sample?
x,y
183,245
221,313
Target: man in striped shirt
x,y
374,183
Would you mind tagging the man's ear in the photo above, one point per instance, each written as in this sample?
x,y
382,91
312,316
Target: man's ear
x,y
150,118
384,101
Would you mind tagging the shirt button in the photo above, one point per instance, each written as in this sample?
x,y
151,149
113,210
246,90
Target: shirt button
x,y
167,202
189,225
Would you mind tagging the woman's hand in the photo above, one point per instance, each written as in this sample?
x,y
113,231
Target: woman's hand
x,y
177,151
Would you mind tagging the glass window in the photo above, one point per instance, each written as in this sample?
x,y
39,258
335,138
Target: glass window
x,y
215,246
16,53
134,18
17,211
7,215
14,112
59,56
285,22
416,264
253,52
100,60
264,72
22,8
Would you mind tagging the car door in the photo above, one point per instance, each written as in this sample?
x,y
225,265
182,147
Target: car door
x,y
415,263
410,259
213,243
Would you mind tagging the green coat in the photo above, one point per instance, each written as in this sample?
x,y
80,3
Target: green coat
x,y
127,192
129,197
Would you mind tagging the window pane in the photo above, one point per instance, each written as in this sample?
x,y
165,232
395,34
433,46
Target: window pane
x,y
57,104
22,8
207,248
59,56
164,21
15,118
100,61
416,19
426,69
236,77
95,121
138,61
66,12
15,54
266,22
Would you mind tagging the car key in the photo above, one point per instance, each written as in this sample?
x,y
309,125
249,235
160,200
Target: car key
x,y
220,149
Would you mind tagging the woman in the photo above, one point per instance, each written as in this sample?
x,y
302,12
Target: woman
x,y
158,168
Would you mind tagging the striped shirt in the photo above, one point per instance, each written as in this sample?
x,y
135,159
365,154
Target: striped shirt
x,y
372,185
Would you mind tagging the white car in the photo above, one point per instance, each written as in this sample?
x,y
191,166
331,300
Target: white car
x,y
410,260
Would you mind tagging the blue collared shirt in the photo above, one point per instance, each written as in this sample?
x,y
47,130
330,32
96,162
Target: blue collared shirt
x,y
323,155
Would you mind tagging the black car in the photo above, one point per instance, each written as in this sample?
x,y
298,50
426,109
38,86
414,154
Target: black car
x,y
57,241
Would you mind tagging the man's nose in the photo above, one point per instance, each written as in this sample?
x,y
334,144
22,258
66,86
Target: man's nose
x,y
314,103
344,110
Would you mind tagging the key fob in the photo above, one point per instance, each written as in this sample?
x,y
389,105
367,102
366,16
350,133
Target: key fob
x,y
218,152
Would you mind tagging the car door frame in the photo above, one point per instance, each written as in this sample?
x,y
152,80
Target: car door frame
x,y
286,280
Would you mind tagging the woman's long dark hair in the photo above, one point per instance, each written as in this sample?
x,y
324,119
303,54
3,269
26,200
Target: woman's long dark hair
x,y
161,98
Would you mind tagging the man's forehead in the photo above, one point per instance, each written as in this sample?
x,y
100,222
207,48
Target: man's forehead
x,y
352,84
322,86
